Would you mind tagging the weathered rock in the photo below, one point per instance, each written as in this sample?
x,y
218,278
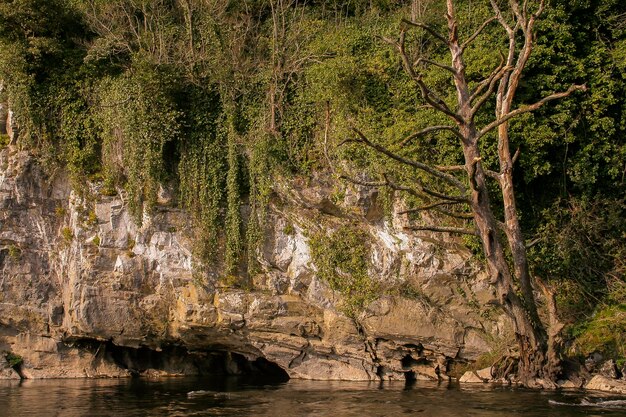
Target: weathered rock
x,y
84,289
7,372
566,383
481,375
608,369
602,383
470,377
592,361
485,373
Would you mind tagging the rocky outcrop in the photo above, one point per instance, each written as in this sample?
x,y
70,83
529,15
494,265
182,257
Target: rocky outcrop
x,y
602,383
85,290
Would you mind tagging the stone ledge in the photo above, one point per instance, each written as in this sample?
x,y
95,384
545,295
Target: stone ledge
x,y
602,383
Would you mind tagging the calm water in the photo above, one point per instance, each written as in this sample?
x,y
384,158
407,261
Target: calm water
x,y
236,397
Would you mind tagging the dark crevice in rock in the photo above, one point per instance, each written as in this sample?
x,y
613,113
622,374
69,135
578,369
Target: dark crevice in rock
x,y
257,368
409,377
409,362
417,348
3,255
178,360
298,359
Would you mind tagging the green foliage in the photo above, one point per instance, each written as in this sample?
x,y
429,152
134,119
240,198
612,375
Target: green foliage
x,y
67,235
342,260
289,229
605,332
15,252
202,169
4,141
581,245
14,360
233,216
139,120
60,211
260,191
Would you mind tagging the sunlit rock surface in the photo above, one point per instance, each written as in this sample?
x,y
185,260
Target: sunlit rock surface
x,y
85,289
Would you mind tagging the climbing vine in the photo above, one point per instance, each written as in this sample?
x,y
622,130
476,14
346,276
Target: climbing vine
x,y
342,260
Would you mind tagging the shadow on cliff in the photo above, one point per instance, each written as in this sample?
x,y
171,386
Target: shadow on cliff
x,y
173,360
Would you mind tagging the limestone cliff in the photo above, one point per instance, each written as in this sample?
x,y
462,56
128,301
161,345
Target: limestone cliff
x,y
86,292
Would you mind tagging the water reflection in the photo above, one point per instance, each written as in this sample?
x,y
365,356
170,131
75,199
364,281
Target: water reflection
x,y
219,396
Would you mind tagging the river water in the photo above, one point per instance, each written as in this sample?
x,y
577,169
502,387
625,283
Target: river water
x,y
244,397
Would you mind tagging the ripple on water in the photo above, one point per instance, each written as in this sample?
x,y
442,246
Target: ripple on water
x,y
240,397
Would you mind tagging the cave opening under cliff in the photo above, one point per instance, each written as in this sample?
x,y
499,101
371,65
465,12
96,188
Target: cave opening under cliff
x,y
176,360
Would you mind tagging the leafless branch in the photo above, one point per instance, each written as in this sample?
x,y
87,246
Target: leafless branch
x,y
427,94
437,194
441,229
478,32
424,192
419,192
515,156
455,214
450,167
364,183
436,64
532,243
436,207
492,174
424,167
427,207
493,79
529,108
500,17
429,130
542,5
427,28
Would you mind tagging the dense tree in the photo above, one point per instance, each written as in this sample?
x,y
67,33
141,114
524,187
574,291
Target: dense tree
x,y
538,360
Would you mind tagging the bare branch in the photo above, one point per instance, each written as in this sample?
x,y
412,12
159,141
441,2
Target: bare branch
x,y
484,83
429,130
478,32
515,156
492,174
441,229
532,243
427,207
464,216
427,28
436,64
424,167
436,194
519,16
500,17
427,94
542,5
529,108
450,167
424,192
492,85
420,192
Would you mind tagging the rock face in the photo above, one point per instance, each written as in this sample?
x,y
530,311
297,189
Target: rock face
x,y
86,291
602,383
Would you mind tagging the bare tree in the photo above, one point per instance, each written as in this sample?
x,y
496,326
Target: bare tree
x,y
538,360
